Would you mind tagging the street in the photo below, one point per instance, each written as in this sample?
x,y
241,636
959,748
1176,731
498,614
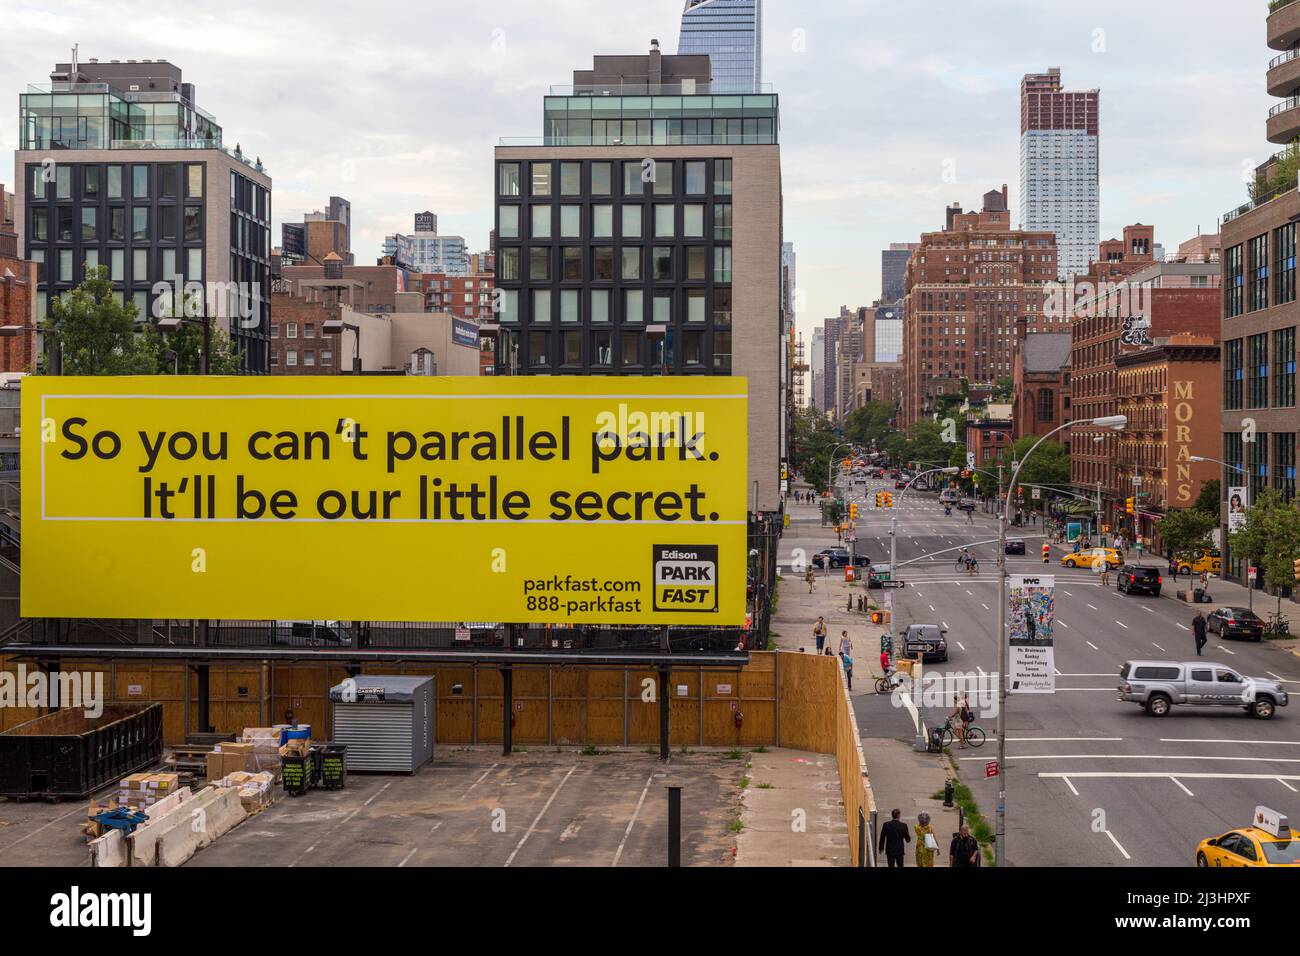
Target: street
x,y
1093,781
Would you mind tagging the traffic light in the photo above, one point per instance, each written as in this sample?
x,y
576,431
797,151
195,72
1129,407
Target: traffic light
x,y
1128,505
853,511
889,498
879,498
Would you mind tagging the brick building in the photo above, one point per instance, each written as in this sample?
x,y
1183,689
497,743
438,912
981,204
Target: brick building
x,y
465,296
965,290
989,438
1041,392
1171,391
17,296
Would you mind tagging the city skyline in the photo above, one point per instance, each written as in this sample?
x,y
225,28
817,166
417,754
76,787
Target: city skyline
x,y
1155,164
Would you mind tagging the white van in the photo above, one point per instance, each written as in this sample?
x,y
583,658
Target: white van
x,y
950,496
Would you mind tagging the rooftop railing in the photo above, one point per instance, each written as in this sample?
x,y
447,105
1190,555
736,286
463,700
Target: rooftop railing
x,y
656,89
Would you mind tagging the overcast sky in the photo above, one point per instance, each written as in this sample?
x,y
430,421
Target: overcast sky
x,y
397,106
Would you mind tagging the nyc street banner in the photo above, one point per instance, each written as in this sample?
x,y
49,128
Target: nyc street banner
x,y
538,500
1031,612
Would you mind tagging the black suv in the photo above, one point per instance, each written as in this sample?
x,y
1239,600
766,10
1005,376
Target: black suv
x,y
1134,578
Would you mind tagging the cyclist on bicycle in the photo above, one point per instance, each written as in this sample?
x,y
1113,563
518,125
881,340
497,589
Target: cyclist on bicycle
x,y
963,558
973,565
960,718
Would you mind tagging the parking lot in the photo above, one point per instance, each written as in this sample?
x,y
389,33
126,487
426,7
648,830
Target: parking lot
x,y
468,808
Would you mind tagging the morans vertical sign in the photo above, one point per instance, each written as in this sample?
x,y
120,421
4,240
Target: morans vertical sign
x,y
546,500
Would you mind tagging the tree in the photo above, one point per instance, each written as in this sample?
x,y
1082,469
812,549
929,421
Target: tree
x,y
926,445
1208,500
814,439
95,331
1270,539
1003,389
1048,466
1188,532
869,424
187,343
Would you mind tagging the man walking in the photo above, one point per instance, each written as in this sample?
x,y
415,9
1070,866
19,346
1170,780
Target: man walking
x,y
1198,628
965,850
819,632
894,838
811,577
847,661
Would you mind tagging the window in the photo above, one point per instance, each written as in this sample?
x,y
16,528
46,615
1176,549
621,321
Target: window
x,y
572,345
40,223
1257,291
168,264
192,233
602,349
508,179
65,223
602,222
309,357
194,181
541,306
722,222
602,179
570,179
722,184
326,358
631,262
695,305
1257,371
1258,467
140,223
696,263
140,182
506,305
662,259
664,221
695,174
1233,374
693,221
629,349
633,184
508,263
599,305
291,330
539,345
309,330
633,305
663,177
663,307
722,306
508,225
539,263
114,182
541,221
1046,405
167,223
92,260
722,264
291,357
38,257
693,347
139,266
632,222
168,181
541,173
275,330
117,264
194,264
90,181
722,351
571,262
602,263
117,223
62,182
570,222
1284,264
1233,281
1284,368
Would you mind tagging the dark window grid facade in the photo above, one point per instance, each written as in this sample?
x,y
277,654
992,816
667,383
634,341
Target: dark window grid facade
x,y
163,215
1233,374
1257,288
1257,465
1284,264
1257,371
1233,282
548,344
1284,464
250,265
1284,368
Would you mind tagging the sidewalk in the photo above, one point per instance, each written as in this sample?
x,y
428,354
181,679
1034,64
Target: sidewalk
x,y
792,811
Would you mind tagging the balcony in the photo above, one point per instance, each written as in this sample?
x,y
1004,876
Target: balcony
x,y
1284,121
1283,24
1284,73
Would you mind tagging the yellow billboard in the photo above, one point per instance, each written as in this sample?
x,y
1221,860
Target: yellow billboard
x,y
534,500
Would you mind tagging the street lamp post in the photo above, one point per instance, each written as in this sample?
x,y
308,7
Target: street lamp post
x,y
173,323
1223,569
1117,422
893,522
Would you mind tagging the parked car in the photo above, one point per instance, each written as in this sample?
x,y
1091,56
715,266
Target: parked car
x,y
928,640
1088,558
1210,562
1160,685
899,484
1235,622
966,504
1014,546
831,558
1138,579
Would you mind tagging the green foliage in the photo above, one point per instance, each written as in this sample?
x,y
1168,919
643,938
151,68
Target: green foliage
x,y
1270,538
1003,389
187,343
926,445
1208,500
95,330
1188,532
1049,465
1281,176
869,424
814,440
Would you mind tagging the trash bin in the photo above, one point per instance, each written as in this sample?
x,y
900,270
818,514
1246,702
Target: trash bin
x,y
296,773
1198,596
333,766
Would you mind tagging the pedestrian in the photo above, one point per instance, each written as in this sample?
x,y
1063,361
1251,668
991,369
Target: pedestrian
x,y
1105,573
1076,546
1205,580
819,632
846,645
811,577
1198,628
970,516
893,839
958,719
965,849
847,661
927,844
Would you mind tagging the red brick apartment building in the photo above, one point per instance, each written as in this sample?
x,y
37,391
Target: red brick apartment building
x,y
965,290
1041,393
17,296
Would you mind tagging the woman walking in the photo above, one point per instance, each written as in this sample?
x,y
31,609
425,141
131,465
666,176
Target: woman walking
x,y
926,842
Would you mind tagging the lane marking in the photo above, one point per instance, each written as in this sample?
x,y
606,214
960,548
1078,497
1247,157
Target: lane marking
x,y
1147,609
1226,651
635,813
1092,645
1184,789
1154,644
1183,626
945,627
985,606
1279,677
1070,785
1147,757
376,796
407,857
1062,623
537,819
479,780
959,643
1093,606
1086,739
1224,740
40,828
1071,593
1122,624
932,608
1287,785
1117,844
1136,774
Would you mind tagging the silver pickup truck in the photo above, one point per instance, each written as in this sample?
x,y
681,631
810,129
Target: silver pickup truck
x,y
1159,685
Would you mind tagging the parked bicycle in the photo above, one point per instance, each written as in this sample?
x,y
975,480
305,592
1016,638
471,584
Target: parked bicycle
x,y
975,736
1277,626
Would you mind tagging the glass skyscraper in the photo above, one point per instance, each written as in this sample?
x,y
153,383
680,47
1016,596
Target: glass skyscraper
x,y
731,33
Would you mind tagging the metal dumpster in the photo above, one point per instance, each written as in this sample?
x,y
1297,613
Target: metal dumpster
x,y
67,754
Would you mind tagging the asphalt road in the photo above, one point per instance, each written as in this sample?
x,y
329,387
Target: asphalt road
x,y
1092,780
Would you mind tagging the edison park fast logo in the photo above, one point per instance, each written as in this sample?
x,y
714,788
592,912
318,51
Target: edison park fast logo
x,y
686,577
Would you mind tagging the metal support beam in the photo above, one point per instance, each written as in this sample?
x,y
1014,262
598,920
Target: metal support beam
x,y
507,709
205,725
674,826
665,748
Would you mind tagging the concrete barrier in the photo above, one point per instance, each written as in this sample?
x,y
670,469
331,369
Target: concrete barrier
x,y
108,850
176,835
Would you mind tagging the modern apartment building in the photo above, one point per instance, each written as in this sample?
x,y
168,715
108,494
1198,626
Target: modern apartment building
x,y
321,232
730,33
118,166
1059,161
425,250
1260,311
893,270
818,363
641,235
966,289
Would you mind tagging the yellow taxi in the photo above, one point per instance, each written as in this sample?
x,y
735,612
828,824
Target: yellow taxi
x,y
1208,563
1268,842
1091,558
